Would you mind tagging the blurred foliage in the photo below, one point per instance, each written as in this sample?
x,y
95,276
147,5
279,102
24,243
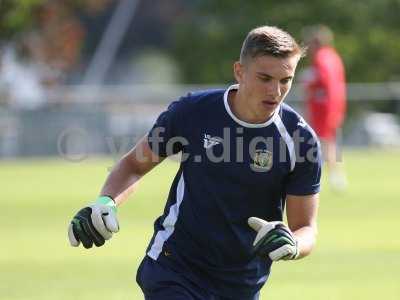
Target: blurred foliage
x,y
208,35
16,15
367,34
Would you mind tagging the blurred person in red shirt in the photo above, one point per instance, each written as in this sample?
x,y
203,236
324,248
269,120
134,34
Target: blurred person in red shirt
x,y
326,97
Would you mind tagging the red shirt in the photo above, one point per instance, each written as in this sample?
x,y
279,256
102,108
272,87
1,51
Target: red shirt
x,y
327,91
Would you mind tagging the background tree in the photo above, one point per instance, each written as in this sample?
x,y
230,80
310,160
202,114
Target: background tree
x,y
16,16
367,34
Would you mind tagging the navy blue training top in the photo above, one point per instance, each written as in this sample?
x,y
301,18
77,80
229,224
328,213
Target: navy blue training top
x,y
230,170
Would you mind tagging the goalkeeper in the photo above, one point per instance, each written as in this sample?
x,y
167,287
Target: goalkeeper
x,y
245,158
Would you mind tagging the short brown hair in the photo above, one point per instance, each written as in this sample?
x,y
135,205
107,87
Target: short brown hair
x,y
270,40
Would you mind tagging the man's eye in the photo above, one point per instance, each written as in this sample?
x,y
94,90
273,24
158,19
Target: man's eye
x,y
286,81
265,79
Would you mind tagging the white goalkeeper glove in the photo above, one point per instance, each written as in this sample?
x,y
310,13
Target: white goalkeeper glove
x,y
274,239
94,224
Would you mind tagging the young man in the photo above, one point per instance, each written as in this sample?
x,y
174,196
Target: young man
x,y
245,155
326,97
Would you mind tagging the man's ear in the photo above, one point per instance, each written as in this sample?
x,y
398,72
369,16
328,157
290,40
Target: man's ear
x,y
238,69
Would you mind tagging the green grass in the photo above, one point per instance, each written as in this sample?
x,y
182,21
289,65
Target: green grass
x,y
357,256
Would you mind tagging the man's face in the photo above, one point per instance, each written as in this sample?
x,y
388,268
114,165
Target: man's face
x,y
264,82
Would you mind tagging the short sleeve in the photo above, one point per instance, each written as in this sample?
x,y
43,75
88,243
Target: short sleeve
x,y
306,175
165,138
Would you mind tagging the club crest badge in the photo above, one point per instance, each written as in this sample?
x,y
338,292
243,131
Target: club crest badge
x,y
262,160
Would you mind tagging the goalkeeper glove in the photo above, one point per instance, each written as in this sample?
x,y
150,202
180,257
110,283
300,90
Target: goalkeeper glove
x,y
274,239
94,224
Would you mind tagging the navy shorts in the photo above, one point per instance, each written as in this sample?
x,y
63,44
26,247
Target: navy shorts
x,y
161,283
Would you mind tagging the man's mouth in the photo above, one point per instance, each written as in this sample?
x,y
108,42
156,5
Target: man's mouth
x,y
270,103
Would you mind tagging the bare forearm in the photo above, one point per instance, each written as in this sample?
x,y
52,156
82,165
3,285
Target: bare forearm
x,y
120,182
136,163
301,214
306,237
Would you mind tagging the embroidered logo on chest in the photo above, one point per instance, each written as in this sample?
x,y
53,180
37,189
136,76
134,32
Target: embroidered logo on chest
x,y
262,160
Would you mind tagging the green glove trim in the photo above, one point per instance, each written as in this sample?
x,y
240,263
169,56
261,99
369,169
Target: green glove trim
x,y
77,224
268,240
108,201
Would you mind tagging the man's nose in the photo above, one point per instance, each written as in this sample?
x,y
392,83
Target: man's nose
x,y
274,89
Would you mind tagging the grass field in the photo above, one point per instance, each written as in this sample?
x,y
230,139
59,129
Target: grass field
x,y
357,256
